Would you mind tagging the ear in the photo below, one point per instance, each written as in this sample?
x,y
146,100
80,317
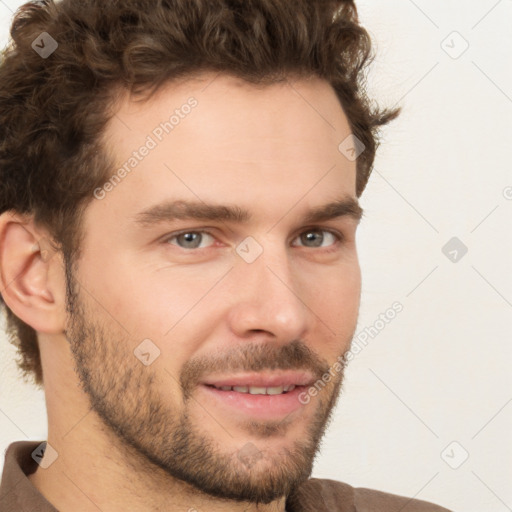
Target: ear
x,y
32,279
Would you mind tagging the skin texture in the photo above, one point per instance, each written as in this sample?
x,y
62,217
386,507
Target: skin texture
x,y
137,437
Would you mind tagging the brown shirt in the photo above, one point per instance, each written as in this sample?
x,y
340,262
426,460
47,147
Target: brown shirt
x,y
17,494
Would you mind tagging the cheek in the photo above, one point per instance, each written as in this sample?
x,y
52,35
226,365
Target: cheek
x,y
335,298
175,307
146,299
178,307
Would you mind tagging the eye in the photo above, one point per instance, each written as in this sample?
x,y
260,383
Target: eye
x,y
311,238
189,239
314,238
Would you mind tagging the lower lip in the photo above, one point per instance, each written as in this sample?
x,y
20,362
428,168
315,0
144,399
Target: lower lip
x,y
260,406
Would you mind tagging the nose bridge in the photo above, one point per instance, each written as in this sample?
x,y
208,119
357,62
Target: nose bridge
x,y
267,297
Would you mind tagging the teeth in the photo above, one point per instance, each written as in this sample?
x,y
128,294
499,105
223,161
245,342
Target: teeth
x,y
255,390
274,391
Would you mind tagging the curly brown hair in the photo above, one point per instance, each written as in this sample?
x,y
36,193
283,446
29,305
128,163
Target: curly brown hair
x,y
54,108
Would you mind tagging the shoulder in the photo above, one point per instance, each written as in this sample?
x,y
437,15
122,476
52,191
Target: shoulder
x,y
368,499
330,495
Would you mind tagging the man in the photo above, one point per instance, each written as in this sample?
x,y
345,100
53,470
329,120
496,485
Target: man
x,y
179,204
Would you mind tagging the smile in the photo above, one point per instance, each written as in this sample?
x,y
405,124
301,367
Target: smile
x,y
257,390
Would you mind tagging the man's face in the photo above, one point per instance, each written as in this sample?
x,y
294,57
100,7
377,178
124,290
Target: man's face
x,y
268,301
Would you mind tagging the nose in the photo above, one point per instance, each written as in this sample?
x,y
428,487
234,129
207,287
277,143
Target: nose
x,y
268,298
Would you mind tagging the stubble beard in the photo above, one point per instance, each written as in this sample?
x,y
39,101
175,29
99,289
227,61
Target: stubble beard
x,y
153,437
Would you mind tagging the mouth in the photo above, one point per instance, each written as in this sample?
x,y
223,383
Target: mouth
x,y
261,380
264,396
257,390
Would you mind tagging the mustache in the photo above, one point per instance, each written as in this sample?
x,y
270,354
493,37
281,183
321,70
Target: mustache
x,y
253,357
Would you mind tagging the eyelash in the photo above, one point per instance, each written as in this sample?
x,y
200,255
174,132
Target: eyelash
x,y
338,236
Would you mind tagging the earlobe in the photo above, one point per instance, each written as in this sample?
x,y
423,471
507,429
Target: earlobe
x,y
29,278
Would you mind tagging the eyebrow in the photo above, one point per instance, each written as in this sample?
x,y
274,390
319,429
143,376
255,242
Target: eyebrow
x,y
198,210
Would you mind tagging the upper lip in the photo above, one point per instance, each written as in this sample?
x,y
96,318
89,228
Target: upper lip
x,y
263,380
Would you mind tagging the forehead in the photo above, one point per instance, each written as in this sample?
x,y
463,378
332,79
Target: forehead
x,y
217,136
289,112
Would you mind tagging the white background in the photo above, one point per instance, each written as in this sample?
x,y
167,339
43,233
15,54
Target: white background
x,y
439,372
